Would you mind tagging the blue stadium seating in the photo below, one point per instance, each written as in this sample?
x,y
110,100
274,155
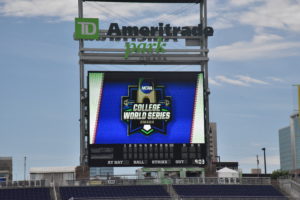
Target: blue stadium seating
x,y
226,190
113,191
25,194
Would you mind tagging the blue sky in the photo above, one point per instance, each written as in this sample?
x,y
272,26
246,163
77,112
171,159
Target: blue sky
x,y
254,61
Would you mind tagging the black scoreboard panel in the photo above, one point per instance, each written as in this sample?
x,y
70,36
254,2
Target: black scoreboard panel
x,y
148,155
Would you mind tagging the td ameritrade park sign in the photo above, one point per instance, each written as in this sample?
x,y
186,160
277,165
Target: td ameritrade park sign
x,y
88,29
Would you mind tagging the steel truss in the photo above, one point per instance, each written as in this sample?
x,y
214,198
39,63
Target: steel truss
x,y
171,57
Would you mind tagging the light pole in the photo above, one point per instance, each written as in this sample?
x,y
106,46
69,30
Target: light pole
x,y
24,168
264,149
257,165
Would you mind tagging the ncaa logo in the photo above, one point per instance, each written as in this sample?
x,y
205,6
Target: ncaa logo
x,y
146,86
86,28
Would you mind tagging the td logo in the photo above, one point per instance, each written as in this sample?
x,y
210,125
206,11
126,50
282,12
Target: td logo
x,y
86,28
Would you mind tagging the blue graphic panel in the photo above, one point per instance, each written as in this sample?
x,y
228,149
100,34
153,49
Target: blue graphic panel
x,y
180,86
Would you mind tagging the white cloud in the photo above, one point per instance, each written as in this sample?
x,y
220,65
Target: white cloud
x,y
222,23
278,14
213,82
189,19
275,79
67,9
225,79
240,80
220,14
261,46
243,2
264,16
284,15
30,8
248,79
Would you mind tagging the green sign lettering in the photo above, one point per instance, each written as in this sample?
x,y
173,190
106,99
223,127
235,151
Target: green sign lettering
x,y
144,47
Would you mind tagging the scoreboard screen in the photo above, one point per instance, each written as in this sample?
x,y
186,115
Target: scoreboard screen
x,y
146,119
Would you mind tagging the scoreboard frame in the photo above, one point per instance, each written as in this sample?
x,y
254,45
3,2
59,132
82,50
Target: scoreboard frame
x,y
147,154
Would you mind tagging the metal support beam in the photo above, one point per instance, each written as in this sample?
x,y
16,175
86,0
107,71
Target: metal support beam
x,y
82,96
170,57
143,59
105,50
204,68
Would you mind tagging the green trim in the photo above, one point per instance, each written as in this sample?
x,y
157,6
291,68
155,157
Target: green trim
x,y
147,132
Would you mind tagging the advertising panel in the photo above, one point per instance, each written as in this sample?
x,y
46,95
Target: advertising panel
x,y
138,117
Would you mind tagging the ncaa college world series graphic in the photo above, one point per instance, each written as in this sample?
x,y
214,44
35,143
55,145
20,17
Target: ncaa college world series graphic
x,y
146,108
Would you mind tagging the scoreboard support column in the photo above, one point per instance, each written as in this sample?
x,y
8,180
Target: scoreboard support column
x,y
82,93
204,68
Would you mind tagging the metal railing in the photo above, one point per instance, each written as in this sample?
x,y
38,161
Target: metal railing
x,y
234,197
145,181
291,187
21,184
187,198
243,181
168,181
125,198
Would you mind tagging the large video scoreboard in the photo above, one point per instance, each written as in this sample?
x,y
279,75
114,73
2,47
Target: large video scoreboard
x,y
146,119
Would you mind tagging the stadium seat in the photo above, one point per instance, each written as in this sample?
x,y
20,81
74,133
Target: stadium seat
x,y
113,191
226,190
25,194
